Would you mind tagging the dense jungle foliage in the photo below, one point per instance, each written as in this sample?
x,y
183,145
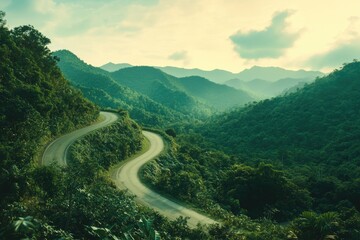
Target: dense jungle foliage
x,y
98,86
284,168
291,159
36,104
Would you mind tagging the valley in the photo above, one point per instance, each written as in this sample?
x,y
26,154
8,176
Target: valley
x,y
143,152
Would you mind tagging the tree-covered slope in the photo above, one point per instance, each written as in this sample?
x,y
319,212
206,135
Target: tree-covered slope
x,y
267,89
218,96
323,116
98,86
162,88
190,94
36,104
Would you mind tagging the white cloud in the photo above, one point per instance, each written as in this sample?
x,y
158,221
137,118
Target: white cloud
x,y
270,42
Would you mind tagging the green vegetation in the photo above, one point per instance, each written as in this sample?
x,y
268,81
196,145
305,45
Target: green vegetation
x,y
36,104
152,97
285,168
293,158
263,89
189,95
98,86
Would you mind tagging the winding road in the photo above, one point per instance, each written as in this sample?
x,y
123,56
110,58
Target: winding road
x,y
126,176
56,152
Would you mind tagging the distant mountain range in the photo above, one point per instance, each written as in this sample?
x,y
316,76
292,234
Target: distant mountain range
x,y
266,89
260,82
271,74
324,116
151,96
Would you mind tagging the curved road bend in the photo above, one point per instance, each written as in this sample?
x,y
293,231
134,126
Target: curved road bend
x,y
127,178
127,175
57,150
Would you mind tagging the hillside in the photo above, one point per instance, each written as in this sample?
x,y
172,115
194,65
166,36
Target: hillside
x,y
219,96
113,67
191,94
293,158
321,115
78,201
161,88
98,86
267,89
271,74
36,105
217,76
151,96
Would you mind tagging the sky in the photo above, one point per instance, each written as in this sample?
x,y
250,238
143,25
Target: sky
x,y
206,34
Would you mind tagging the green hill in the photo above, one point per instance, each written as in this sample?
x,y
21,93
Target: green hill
x,y
98,86
268,89
219,96
161,88
271,74
318,117
36,104
188,95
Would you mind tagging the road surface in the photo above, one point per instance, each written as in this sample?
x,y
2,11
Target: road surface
x,y
127,177
57,150
127,174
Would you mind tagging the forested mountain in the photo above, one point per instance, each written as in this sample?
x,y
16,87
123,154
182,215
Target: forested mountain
x,y
318,116
36,104
271,74
36,101
314,133
267,89
217,76
275,73
151,96
218,96
113,67
161,88
293,158
78,201
191,94
98,86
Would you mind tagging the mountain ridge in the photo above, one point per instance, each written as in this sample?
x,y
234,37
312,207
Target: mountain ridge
x,y
221,76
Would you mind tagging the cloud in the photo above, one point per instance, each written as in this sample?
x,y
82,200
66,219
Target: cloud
x,y
66,18
343,53
268,43
179,56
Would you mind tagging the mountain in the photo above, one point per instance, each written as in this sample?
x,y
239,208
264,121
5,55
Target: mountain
x,y
313,134
221,76
160,87
273,74
217,76
36,104
112,67
187,95
219,96
267,89
98,86
319,118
